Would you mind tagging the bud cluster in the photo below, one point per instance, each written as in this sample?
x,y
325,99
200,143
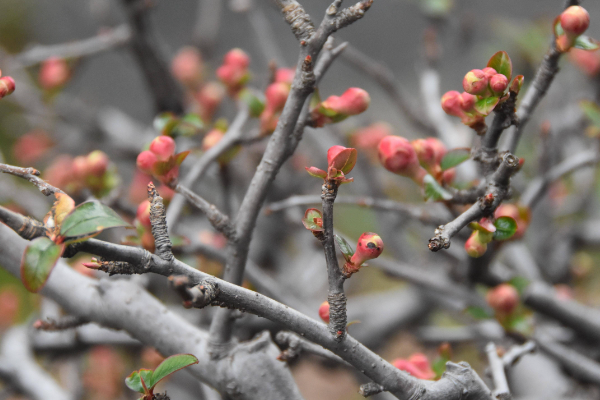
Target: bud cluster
x,y
161,161
337,108
275,97
569,26
233,73
93,172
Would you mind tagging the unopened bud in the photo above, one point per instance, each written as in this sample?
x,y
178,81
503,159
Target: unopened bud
x,y
369,246
341,158
7,86
574,21
285,75
588,61
451,103
237,58
369,137
489,72
209,98
187,66
163,147
468,101
475,82
143,214
448,176
324,311
145,161
474,246
213,137
97,163
80,167
425,152
353,101
54,72
276,95
503,298
398,156
498,83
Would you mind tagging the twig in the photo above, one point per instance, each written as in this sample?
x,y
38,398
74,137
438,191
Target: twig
x,y
104,41
499,376
382,74
165,91
419,213
514,354
538,186
295,345
32,175
60,324
158,222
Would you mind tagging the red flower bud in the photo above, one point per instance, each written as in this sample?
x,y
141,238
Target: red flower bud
x,y
448,176
574,20
145,161
163,147
503,298
451,103
236,58
398,156
498,83
369,137
285,75
213,137
417,365
324,311
32,146
143,214
9,306
588,61
209,98
97,163
369,246
467,102
474,246
80,167
489,72
276,95
187,66
341,158
7,86
353,101
475,82
425,152
54,72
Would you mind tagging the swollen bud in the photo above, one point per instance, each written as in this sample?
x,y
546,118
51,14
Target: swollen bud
x,y
369,246
475,246
143,214
54,72
7,86
324,311
451,103
341,158
97,163
467,102
398,156
237,58
353,101
574,21
285,75
145,161
475,82
187,66
163,147
503,298
489,72
417,365
498,83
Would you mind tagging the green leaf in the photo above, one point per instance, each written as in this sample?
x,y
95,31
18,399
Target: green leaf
x,y
501,63
165,122
558,29
134,383
89,219
189,125
455,157
255,105
315,99
179,157
505,228
486,105
516,84
434,191
520,283
345,247
309,222
478,312
592,111
170,365
584,42
38,261
439,366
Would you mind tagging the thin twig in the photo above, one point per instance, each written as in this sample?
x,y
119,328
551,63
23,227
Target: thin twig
x,y
501,391
296,345
32,175
60,324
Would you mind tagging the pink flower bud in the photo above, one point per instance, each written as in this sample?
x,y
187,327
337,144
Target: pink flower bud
x,y
467,102
276,95
163,147
54,72
398,156
209,98
425,152
369,246
145,161
97,163
451,103
32,146
369,137
353,101
60,172
212,138
474,246
9,306
448,176
7,86
498,83
341,158
439,149
324,311
417,365
237,58
587,61
143,214
574,20
187,66
563,292
80,167
503,298
489,72
475,82
285,75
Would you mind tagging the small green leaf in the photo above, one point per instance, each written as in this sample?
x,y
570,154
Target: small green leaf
x,y
501,63
520,283
38,261
170,365
315,99
345,247
434,191
189,125
478,312
134,383
592,111
316,172
255,105
165,122
455,157
486,105
89,219
505,228
516,84
439,366
311,220
584,42
179,157
558,29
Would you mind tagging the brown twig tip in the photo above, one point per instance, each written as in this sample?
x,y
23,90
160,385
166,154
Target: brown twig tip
x,y
352,14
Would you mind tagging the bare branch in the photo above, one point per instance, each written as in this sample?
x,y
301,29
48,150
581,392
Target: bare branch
x,y
32,175
66,322
498,375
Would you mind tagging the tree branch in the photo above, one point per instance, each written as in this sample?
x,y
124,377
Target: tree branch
x,y
32,175
498,375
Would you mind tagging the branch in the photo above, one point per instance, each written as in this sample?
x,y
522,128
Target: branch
x,y
295,345
384,76
19,367
422,214
67,322
499,376
166,92
32,175
106,40
514,354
